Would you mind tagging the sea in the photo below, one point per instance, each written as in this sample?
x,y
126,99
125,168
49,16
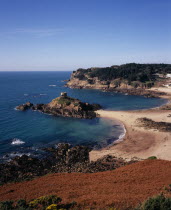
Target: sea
x,y
30,131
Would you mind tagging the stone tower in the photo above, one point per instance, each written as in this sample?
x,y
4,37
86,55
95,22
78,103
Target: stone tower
x,y
63,94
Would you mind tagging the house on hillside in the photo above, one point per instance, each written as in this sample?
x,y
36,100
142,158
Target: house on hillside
x,y
168,75
167,85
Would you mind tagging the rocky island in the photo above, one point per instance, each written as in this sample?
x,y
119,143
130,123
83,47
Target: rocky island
x,y
64,106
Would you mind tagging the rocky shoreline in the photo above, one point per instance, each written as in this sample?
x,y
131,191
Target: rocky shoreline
x,y
64,106
62,158
129,91
139,92
122,79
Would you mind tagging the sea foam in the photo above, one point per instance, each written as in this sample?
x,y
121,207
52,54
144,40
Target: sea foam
x,y
122,135
16,141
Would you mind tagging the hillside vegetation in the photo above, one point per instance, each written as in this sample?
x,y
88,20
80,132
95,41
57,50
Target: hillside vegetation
x,y
124,188
144,75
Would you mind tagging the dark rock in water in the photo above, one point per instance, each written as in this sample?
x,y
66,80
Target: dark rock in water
x,y
65,106
96,107
39,107
25,106
64,158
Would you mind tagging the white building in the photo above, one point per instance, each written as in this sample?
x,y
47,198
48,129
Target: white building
x,y
168,85
168,75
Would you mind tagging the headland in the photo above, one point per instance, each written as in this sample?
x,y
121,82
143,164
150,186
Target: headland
x,y
147,131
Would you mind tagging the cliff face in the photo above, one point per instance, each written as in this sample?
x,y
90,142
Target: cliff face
x,y
82,79
64,106
97,78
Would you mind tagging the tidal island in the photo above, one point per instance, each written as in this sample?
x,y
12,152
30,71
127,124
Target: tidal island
x,y
64,106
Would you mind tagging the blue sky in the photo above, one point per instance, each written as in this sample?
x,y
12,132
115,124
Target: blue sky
x,y
68,34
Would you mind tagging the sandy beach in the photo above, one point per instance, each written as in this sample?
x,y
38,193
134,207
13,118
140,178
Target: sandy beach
x,y
139,142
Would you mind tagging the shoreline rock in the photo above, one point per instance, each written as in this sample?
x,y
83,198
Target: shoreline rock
x,y
25,106
130,91
151,124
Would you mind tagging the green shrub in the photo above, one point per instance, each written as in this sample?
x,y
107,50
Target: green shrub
x,y
64,101
6,205
168,189
149,84
117,82
68,103
135,84
21,203
159,202
152,158
76,104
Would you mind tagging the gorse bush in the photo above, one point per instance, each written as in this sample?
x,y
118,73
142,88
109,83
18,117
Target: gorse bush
x,y
159,202
50,202
45,201
52,207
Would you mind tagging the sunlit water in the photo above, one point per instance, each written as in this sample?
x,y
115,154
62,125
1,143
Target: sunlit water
x,y
27,132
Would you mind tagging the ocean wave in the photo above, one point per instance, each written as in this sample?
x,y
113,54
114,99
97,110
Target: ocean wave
x,y
52,85
8,157
43,94
25,94
12,155
16,141
122,135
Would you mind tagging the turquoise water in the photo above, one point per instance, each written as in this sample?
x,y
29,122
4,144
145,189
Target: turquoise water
x,y
27,132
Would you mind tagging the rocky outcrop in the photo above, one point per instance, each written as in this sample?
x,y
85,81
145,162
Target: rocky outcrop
x,y
150,124
64,106
25,106
165,107
63,158
138,91
88,83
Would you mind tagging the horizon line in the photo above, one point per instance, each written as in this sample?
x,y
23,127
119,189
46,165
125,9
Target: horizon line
x,y
29,70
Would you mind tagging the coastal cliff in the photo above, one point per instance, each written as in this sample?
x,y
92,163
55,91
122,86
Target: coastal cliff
x,y
133,79
64,106
59,159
